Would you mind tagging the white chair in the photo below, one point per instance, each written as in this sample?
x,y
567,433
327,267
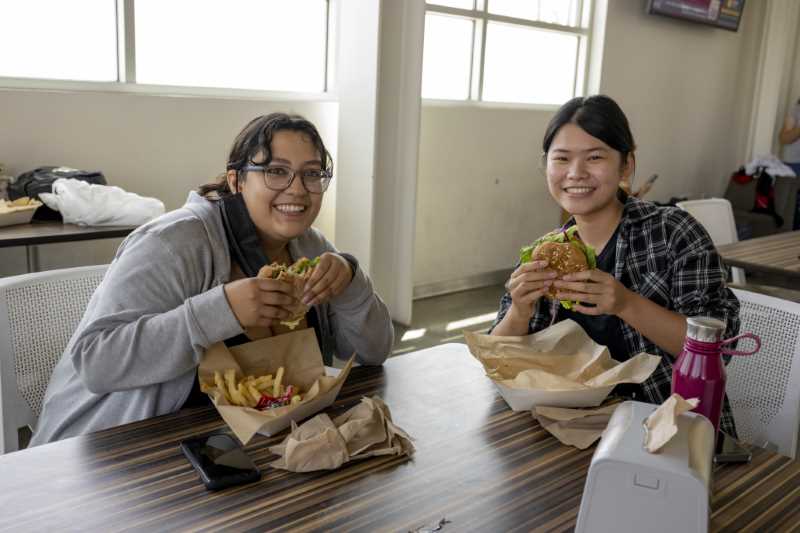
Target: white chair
x,y
716,216
764,388
38,314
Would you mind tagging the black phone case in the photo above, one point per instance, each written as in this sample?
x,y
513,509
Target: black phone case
x,y
217,483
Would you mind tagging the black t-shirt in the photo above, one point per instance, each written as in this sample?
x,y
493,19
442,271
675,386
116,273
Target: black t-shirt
x,y
605,330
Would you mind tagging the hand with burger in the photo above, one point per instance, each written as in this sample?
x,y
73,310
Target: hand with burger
x,y
541,264
330,278
578,282
565,253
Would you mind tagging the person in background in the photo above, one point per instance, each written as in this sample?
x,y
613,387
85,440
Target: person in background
x,y
790,139
187,280
656,266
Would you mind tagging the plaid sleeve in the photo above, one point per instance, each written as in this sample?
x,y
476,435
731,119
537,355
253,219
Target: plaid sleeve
x,y
698,275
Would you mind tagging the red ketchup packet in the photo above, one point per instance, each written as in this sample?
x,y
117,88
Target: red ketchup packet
x,y
271,402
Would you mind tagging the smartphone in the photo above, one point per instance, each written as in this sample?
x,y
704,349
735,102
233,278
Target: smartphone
x,y
730,451
220,461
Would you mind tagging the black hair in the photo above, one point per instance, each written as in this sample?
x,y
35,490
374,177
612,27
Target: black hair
x,y
600,117
256,137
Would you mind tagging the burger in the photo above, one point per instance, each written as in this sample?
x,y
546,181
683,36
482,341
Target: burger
x,y
297,274
564,252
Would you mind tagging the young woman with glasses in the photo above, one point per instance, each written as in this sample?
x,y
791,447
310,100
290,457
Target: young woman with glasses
x,y
188,280
655,265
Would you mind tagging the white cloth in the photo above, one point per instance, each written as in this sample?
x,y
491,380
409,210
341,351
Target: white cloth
x,y
773,166
100,205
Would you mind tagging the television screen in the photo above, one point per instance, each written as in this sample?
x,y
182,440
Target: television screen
x,y
720,13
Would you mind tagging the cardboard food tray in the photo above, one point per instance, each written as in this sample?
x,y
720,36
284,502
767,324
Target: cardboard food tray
x,y
17,215
526,399
298,352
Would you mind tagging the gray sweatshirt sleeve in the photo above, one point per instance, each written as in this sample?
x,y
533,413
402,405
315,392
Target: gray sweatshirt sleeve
x,y
361,322
151,318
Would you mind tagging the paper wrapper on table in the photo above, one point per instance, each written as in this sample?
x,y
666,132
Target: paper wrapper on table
x,y
560,366
574,427
298,352
662,424
364,431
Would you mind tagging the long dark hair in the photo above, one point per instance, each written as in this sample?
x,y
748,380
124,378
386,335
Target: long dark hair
x,y
600,117
256,137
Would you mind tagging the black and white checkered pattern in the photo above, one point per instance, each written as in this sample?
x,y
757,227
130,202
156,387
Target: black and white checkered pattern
x,y
667,256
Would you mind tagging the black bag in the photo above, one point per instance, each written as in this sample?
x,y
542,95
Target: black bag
x,y
39,180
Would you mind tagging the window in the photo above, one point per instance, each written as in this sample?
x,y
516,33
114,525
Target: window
x,y
59,40
231,44
516,51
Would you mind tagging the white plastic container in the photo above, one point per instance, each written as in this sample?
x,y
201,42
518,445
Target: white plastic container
x,y
629,490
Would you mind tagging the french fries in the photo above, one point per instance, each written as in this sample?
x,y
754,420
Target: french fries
x,y
19,203
260,393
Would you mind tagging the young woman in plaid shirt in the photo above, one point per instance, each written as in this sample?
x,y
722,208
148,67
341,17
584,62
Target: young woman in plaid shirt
x,y
656,265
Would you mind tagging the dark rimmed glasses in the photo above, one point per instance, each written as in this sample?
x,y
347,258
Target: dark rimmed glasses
x,y
279,178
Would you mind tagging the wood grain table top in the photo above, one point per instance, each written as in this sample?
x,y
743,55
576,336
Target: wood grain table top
x,y
775,254
478,464
50,232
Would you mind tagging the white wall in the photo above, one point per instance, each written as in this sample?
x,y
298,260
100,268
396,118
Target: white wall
x,y
687,90
397,154
358,29
684,87
160,146
480,194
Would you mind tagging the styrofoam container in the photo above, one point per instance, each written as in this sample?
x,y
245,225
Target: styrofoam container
x,y
17,215
303,411
526,399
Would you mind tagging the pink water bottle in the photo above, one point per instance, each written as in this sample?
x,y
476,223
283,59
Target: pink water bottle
x,y
699,372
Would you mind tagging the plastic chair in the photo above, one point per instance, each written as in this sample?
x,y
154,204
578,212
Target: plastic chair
x,y
763,388
716,216
38,314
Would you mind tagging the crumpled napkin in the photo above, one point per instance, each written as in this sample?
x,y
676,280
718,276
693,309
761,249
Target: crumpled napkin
x,y
364,431
575,427
661,425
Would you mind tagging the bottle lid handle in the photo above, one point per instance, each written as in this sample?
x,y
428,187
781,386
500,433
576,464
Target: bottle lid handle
x,y
753,336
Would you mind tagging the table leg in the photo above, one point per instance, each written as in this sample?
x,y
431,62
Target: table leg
x,y
32,256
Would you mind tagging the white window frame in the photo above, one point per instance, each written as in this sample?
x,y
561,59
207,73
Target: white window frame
x,y
481,15
126,71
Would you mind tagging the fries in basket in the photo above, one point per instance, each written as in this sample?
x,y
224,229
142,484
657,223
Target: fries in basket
x,y
263,392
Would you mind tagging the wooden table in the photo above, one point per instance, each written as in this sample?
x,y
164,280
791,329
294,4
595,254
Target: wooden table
x,y
35,233
478,464
777,254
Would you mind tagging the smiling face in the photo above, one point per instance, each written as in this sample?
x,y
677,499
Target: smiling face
x,y
281,215
583,172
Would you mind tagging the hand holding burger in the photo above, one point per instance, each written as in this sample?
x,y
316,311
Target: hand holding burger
x,y
565,253
297,274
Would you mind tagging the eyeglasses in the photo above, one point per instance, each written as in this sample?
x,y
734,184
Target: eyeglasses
x,y
280,178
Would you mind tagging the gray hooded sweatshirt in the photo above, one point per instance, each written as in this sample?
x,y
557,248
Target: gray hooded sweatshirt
x,y
161,303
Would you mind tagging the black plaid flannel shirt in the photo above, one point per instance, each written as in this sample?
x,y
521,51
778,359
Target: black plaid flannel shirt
x,y
667,256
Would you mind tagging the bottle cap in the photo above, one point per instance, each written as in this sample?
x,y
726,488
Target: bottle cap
x,y
704,328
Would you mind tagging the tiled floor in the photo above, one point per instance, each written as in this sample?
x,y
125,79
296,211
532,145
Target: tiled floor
x,y
441,319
